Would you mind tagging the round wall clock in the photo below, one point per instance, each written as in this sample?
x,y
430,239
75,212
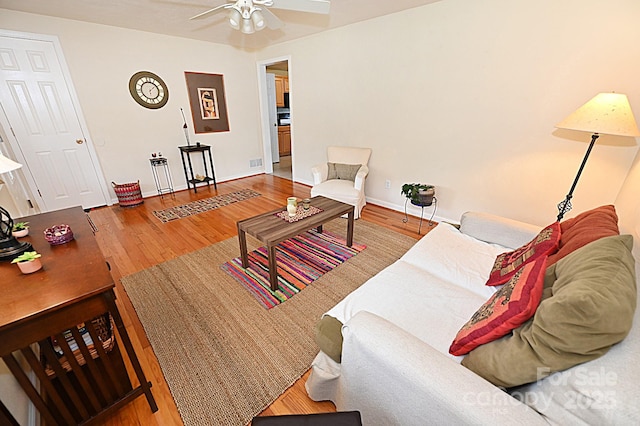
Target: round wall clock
x,y
148,90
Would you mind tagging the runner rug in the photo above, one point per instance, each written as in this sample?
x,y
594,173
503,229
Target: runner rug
x,y
206,204
224,357
301,260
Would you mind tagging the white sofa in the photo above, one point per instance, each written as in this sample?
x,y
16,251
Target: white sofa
x,y
395,365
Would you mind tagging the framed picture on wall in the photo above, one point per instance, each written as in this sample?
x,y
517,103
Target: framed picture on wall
x,y
207,102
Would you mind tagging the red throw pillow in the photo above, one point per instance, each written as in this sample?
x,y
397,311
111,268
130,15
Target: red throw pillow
x,y
506,310
507,264
585,228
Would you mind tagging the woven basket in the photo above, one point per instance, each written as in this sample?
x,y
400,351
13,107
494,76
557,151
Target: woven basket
x,y
129,194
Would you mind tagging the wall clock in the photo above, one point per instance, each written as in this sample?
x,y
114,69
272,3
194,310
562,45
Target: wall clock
x,y
148,90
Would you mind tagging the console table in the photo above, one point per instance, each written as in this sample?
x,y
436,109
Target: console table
x,y
185,153
73,287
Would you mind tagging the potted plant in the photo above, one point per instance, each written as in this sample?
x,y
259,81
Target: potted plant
x,y
420,194
28,262
20,229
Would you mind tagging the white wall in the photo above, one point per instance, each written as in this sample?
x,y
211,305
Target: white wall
x,y
465,95
101,60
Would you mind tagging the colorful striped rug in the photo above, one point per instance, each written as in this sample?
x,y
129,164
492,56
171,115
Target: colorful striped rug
x,y
301,260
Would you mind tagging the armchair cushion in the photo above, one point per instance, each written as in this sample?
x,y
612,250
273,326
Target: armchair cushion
x,y
588,305
342,171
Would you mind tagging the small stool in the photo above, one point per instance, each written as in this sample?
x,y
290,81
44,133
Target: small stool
x,y
340,418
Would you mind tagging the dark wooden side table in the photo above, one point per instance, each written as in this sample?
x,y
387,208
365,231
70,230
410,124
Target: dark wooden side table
x,y
73,287
185,153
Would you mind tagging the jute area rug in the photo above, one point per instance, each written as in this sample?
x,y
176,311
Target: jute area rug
x,y
224,356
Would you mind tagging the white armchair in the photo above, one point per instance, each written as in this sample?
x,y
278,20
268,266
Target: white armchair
x,y
341,188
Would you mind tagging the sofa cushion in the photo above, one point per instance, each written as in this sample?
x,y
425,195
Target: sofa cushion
x,y
328,336
585,228
507,309
587,306
342,171
507,264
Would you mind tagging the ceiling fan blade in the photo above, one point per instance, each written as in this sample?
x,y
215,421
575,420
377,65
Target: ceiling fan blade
x,y
215,9
273,22
312,6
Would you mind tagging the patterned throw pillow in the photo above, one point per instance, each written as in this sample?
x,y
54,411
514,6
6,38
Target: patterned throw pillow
x,y
506,310
343,171
507,264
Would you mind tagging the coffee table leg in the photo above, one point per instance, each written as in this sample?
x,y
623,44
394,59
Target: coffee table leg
x,y
319,229
242,238
273,268
350,219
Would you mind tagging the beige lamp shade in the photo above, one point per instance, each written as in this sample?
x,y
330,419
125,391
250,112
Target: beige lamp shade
x,y
606,113
8,165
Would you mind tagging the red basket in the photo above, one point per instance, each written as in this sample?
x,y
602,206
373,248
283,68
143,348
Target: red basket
x,y
128,194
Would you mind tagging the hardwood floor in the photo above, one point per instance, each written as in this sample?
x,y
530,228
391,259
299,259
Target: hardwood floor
x,y
132,239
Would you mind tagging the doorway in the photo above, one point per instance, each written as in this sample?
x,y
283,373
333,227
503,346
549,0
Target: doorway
x,y
43,124
276,117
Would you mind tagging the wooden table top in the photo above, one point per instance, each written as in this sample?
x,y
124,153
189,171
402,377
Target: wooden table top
x,y
70,272
269,228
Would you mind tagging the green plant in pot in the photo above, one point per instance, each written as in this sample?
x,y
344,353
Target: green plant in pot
x,y
419,194
20,229
28,262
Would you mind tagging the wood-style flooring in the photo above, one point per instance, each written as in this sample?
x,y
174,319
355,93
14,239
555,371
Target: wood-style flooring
x,y
132,239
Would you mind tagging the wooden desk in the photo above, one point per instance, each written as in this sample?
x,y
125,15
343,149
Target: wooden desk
x,y
73,287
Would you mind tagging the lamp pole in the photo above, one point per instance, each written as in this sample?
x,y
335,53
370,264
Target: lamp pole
x,y
565,205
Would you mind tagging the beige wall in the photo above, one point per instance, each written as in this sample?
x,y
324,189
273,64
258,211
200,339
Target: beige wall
x,y
465,95
460,94
101,60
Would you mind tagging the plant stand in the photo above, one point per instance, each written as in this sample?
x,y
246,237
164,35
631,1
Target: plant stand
x,y
422,206
167,186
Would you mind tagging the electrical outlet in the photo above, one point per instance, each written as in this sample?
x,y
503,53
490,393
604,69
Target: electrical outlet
x,y
387,184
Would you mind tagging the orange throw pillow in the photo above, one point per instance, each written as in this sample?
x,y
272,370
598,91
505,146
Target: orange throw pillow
x,y
507,264
506,310
585,228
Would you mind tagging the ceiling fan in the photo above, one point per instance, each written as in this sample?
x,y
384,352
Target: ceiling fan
x,y
250,16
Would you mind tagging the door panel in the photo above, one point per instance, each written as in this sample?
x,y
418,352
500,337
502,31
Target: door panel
x,y
42,114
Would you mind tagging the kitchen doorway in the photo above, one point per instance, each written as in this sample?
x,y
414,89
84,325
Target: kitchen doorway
x,y
276,117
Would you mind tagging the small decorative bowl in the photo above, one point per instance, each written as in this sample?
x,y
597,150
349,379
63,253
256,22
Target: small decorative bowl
x,y
58,234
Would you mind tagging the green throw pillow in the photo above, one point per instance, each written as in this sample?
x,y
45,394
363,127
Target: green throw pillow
x,y
329,337
587,306
343,171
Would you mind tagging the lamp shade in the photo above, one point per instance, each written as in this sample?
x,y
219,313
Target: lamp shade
x,y
8,165
606,113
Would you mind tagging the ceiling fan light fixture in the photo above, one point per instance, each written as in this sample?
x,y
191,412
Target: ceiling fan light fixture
x,y
235,18
247,26
258,20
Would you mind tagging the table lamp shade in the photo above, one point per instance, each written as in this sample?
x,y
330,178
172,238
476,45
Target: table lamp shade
x,y
7,164
606,113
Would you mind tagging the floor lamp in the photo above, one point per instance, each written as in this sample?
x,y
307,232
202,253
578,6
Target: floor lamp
x,y
607,114
10,247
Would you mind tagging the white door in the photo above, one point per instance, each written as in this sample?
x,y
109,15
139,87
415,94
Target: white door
x,y
41,112
273,117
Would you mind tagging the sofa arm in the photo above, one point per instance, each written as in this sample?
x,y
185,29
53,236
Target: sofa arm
x,y
360,176
319,172
394,378
497,230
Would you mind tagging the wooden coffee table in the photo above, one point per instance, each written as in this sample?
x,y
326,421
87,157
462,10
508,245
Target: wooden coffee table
x,y
272,230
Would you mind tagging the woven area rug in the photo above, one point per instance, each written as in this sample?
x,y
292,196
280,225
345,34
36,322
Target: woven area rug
x,y
225,357
301,260
206,204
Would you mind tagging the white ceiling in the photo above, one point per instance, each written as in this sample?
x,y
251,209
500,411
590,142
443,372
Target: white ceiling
x,y
171,17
